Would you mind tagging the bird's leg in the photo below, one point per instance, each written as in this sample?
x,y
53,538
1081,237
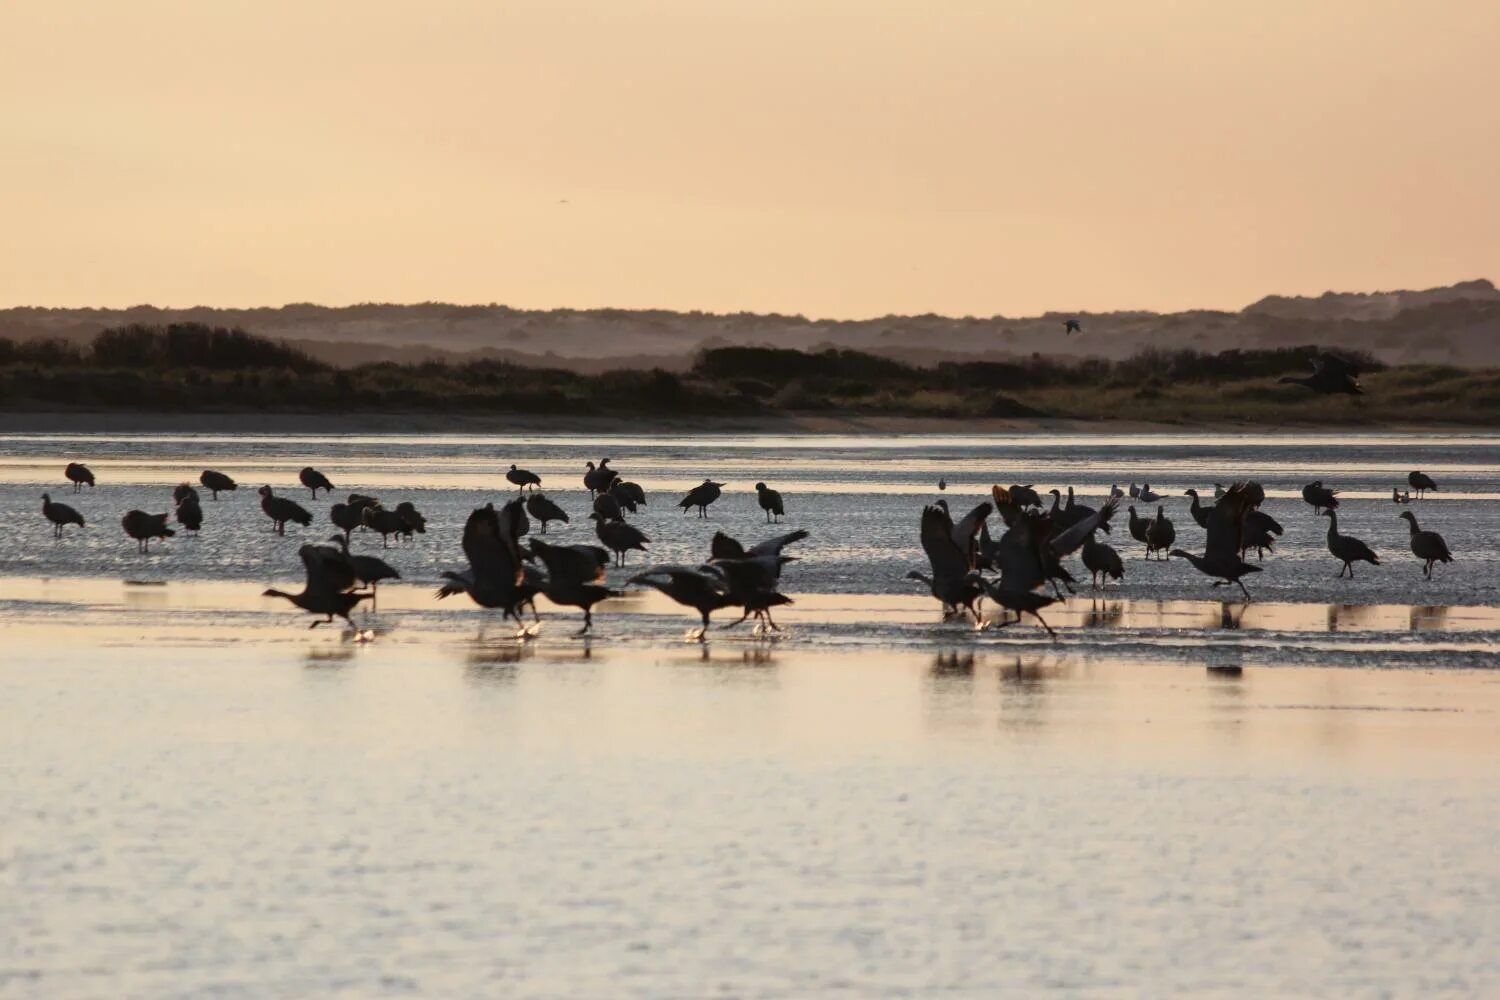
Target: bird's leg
x,y
774,626
737,620
588,622
1042,620
1243,590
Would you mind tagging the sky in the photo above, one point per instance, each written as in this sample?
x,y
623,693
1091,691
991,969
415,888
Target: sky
x,y
836,158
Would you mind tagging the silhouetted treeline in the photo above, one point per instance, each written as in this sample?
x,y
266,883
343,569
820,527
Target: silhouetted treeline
x,y
193,367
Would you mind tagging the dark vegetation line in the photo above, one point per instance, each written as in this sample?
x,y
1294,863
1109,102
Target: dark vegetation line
x,y
194,367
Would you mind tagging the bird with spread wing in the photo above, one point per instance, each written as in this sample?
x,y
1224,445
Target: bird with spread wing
x,y
1226,529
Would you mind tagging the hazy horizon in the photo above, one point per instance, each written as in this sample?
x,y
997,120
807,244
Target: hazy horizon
x,y
836,160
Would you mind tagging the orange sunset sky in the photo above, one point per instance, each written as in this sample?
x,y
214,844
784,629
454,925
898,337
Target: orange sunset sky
x,y
831,158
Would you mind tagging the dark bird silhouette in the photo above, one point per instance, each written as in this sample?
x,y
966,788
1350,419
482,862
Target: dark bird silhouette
x,y
597,480
1199,512
770,502
1101,558
1221,556
1427,546
952,553
217,482
701,496
1147,495
1138,526
1320,497
522,478
1071,326
619,537
78,474
942,484
704,592
327,590
1421,483
1397,496
1026,559
496,576
607,507
623,496
411,519
752,575
386,522
190,513
143,527
60,514
345,517
1071,514
1025,496
183,491
1070,539
315,481
1260,533
281,510
544,510
368,570
1331,375
1346,548
622,489
1160,534
575,577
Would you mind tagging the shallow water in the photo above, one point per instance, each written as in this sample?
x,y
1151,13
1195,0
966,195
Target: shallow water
x,y
860,498
1181,795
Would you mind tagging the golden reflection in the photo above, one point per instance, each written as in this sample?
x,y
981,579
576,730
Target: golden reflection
x,y
1427,618
952,663
329,657
1106,614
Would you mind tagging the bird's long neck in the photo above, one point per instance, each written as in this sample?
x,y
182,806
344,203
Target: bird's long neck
x,y
1333,525
1413,522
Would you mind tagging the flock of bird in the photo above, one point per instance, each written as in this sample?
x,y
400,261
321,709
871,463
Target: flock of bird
x,y
506,570
1029,555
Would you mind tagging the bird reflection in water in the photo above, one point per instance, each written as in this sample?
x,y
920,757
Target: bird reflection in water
x,y
329,657
1427,618
1228,619
953,663
1105,614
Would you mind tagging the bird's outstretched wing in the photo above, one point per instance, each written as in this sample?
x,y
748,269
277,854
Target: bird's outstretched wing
x,y
1333,366
1070,540
773,546
724,547
490,546
327,568
1019,552
1226,524
572,563
966,532
937,541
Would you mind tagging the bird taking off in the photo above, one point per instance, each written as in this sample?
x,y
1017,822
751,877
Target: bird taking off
x,y
1072,326
1331,375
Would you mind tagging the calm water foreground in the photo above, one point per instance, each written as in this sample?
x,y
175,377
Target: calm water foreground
x,y
1298,796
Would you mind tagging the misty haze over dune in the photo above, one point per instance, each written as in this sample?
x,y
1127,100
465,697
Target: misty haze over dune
x,y
1456,324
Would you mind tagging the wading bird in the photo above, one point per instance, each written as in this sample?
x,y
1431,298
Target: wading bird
x,y
1221,555
770,502
78,474
1421,483
189,513
1160,534
752,575
1346,548
575,577
327,590
217,482
315,481
1101,558
368,570
544,510
952,553
496,577
60,514
281,510
522,478
1320,497
597,480
619,537
143,527
704,592
1427,546
701,496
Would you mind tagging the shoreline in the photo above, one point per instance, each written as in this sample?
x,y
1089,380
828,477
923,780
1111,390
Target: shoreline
x,y
365,422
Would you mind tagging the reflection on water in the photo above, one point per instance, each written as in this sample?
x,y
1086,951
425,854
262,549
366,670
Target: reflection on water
x,y
1428,618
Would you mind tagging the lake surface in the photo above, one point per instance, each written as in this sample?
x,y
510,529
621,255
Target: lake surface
x,y
1293,796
